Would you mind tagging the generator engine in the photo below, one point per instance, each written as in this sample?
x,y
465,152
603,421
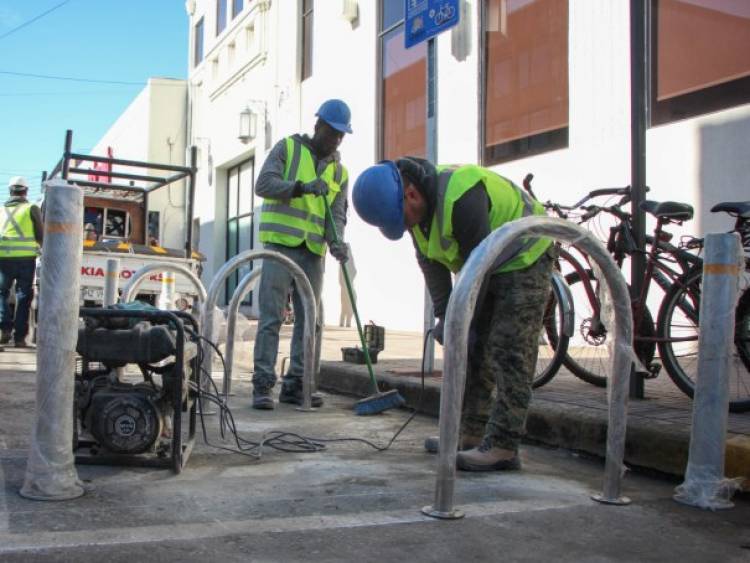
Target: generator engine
x,y
123,412
124,418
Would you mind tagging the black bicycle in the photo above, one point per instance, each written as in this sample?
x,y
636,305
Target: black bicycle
x,y
677,270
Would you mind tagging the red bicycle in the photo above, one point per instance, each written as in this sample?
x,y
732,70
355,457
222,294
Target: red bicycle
x,y
677,270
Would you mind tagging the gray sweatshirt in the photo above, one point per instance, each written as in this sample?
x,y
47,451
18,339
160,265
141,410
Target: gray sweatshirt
x,y
271,183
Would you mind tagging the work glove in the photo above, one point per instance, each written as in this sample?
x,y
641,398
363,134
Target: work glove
x,y
439,330
316,187
339,251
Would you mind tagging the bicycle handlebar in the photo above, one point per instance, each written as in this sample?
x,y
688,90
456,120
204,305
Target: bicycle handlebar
x,y
591,211
601,192
527,184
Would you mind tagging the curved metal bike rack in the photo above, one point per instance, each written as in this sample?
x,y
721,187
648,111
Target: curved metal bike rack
x,y
245,286
459,315
308,305
130,288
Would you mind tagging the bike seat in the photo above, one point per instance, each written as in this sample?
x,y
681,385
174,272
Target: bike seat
x,y
668,210
740,208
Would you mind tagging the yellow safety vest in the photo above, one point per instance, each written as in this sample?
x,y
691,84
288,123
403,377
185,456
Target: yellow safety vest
x,y
290,222
507,203
17,239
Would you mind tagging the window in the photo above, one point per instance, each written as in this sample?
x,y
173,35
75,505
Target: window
x,y
307,38
93,217
236,8
110,223
699,57
198,43
152,229
240,188
221,15
116,223
403,87
525,90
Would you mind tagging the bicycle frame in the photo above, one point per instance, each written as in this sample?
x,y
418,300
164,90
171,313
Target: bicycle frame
x,y
664,276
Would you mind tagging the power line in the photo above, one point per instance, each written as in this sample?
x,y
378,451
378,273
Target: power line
x,y
15,172
32,20
60,93
70,78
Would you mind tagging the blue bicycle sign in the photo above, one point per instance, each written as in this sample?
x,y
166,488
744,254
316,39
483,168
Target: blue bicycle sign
x,y
427,18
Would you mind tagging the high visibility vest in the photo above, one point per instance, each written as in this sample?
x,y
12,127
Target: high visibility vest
x,y
17,239
291,222
507,203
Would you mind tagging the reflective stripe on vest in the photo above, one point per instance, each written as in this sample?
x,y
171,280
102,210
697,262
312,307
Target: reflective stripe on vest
x,y
299,220
507,202
17,235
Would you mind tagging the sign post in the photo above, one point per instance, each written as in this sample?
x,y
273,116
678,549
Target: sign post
x,y
424,19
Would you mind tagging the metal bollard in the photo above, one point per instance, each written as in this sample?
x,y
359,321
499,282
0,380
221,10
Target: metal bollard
x,y
50,470
245,286
130,288
111,281
309,306
459,315
167,294
705,485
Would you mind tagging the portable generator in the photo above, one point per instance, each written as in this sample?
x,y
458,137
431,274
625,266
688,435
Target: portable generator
x,y
135,417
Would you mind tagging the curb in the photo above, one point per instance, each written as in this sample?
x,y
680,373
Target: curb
x,y
650,443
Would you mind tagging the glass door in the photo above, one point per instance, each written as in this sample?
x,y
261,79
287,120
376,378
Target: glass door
x,y
240,222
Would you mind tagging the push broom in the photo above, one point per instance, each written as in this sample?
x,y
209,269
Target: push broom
x,y
377,402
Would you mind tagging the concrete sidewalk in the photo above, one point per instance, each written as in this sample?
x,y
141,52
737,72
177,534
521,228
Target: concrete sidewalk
x,y
566,412
346,503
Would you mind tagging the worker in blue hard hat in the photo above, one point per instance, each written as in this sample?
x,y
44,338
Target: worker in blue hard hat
x,y
298,173
448,211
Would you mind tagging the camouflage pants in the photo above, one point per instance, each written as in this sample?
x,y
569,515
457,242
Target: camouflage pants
x,y
503,359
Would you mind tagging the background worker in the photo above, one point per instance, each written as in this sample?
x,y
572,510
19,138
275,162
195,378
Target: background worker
x,y
448,212
21,234
297,174
347,309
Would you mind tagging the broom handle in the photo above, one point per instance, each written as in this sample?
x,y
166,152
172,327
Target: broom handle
x,y
351,298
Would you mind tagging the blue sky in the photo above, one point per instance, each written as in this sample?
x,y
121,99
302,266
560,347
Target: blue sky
x,y
84,39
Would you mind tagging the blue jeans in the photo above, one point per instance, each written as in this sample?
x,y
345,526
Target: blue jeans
x,y
21,271
275,284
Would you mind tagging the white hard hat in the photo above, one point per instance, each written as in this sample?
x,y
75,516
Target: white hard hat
x,y
18,181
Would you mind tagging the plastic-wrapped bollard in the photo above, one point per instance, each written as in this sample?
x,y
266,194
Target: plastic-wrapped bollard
x,y
705,485
50,470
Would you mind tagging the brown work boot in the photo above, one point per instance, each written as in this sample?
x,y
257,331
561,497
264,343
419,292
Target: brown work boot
x,y
432,443
487,458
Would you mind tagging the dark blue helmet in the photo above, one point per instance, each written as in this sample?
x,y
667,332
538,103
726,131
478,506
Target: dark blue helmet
x,y
378,197
337,114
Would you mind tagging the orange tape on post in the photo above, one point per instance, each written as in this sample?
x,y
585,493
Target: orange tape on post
x,y
61,228
721,269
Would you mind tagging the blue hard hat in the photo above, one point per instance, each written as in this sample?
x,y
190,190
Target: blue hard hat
x,y
337,114
378,197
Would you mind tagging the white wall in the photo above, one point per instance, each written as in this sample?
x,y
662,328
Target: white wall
x,y
699,161
166,145
153,129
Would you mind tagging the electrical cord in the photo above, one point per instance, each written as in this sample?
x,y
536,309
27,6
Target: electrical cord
x,y
283,441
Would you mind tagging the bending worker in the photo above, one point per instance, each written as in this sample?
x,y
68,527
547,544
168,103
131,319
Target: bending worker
x,y
22,235
448,211
298,173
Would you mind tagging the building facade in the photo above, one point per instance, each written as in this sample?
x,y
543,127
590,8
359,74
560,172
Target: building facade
x,y
153,128
520,86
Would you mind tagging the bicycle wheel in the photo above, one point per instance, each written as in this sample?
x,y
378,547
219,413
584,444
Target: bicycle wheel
x,y
553,343
588,352
679,327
